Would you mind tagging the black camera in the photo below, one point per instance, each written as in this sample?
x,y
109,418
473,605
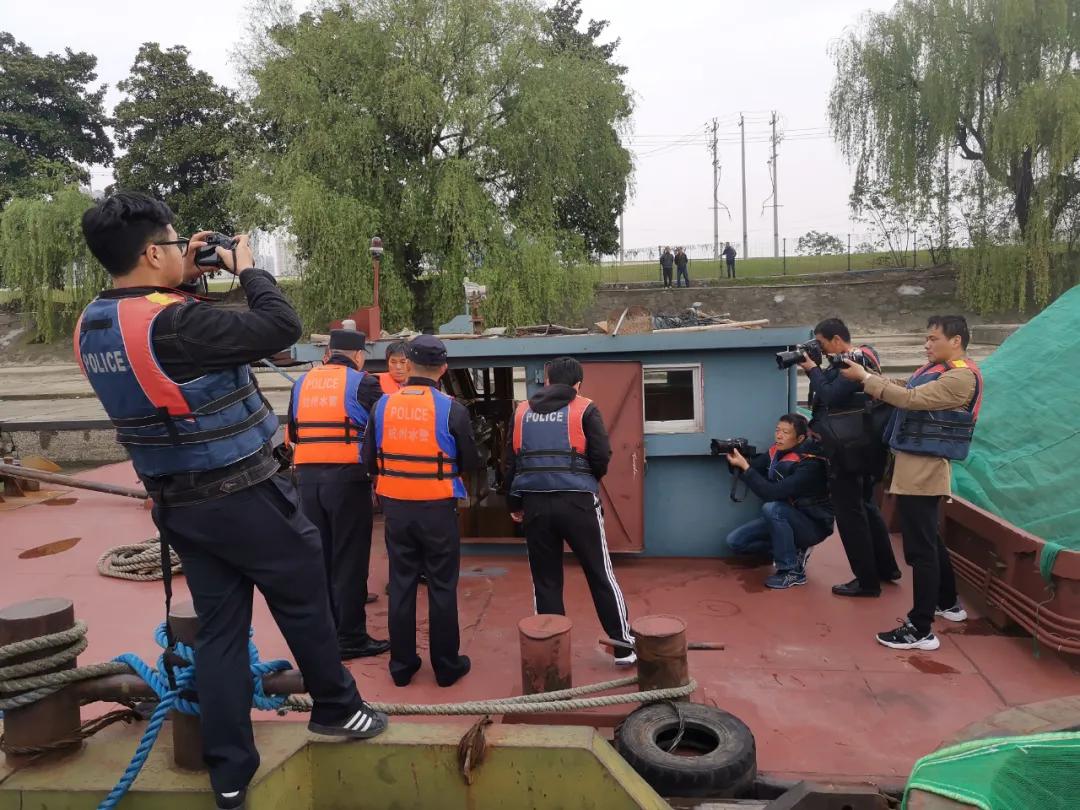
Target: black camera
x,y
856,356
208,256
811,349
721,447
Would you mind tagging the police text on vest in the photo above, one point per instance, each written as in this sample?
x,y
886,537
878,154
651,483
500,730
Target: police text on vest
x,y
105,362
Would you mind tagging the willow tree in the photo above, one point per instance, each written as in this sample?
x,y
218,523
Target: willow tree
x,y
46,259
464,132
988,82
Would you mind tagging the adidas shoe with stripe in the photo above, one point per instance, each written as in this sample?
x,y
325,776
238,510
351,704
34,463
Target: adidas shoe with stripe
x,y
363,724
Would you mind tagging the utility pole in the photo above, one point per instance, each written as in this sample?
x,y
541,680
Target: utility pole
x,y
742,135
775,194
715,197
622,239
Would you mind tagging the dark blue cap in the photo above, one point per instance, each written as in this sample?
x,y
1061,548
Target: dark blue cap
x,y
427,350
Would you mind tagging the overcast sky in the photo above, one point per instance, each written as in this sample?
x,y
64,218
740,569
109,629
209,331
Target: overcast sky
x,y
689,61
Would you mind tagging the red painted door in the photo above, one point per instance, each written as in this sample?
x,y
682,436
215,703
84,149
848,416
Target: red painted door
x,y
616,390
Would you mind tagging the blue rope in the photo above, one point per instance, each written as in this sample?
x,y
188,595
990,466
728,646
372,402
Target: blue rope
x,y
169,699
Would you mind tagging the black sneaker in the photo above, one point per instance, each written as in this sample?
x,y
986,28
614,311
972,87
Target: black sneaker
x,y
232,800
802,557
906,637
362,724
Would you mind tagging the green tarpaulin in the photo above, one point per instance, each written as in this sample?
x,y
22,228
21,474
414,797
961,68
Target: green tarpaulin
x,y
1025,460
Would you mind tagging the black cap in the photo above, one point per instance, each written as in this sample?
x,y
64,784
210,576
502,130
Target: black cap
x,y
347,340
426,350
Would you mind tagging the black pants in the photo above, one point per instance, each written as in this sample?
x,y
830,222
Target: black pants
x,y
254,538
576,518
341,511
862,529
681,276
422,536
933,581
667,276
731,269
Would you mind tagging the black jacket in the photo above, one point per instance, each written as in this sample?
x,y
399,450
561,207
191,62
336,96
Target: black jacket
x,y
468,457
667,260
804,484
828,389
367,394
196,338
729,254
549,399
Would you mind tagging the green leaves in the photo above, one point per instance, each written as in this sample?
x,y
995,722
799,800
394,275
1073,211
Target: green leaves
x,y
477,138
52,124
989,81
182,133
45,257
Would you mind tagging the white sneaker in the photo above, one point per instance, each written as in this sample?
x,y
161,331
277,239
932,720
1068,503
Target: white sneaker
x,y
954,614
627,660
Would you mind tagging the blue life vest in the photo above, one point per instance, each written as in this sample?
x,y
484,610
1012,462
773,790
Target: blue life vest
x,y
166,427
550,450
942,434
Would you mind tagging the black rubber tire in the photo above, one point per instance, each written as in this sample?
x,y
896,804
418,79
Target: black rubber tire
x,y
726,772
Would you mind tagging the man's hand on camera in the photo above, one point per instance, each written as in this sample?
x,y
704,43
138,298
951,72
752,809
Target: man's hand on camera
x,y
806,364
736,459
191,270
854,372
518,516
245,259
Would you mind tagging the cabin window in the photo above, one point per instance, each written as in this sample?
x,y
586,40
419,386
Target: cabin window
x,y
673,399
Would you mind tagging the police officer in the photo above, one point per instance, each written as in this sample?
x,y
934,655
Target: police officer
x,y
419,443
862,529
327,418
397,368
557,454
933,424
173,375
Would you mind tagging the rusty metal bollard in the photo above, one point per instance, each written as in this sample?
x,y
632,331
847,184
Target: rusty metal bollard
x,y
186,728
545,653
661,650
55,717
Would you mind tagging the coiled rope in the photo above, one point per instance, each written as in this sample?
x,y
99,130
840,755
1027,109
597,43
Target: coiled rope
x,y
140,562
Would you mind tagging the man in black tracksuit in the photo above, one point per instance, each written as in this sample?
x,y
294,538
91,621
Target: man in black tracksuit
x,y
667,264
557,454
862,529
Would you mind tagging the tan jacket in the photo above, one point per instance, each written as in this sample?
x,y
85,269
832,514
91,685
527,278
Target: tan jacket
x,y
923,475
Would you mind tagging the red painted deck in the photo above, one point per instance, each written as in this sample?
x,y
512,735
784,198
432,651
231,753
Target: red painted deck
x,y
801,666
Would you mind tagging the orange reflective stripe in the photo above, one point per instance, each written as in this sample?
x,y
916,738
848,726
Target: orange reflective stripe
x,y
576,423
322,435
519,420
136,317
78,349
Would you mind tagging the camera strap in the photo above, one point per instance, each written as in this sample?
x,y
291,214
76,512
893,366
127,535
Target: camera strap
x,y
736,477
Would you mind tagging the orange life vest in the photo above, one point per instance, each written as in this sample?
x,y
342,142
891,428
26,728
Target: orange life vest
x,y
389,384
325,433
416,453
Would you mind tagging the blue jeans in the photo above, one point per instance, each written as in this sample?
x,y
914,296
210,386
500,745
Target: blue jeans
x,y
781,531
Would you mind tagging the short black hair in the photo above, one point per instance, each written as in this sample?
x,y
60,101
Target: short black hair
x,y
118,229
833,327
951,326
564,371
797,421
395,348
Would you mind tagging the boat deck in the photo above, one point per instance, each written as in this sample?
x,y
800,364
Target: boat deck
x,y
801,667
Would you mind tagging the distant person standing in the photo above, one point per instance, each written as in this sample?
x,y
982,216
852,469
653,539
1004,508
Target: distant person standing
x,y
682,262
667,263
729,257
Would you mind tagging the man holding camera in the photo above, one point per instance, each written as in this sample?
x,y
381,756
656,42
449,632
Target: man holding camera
x,y
792,480
173,374
934,422
328,413
851,484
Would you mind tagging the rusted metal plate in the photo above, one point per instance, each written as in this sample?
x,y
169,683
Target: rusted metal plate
x,y
616,390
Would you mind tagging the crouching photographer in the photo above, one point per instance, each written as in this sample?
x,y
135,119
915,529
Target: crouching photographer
x,y
849,425
792,480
